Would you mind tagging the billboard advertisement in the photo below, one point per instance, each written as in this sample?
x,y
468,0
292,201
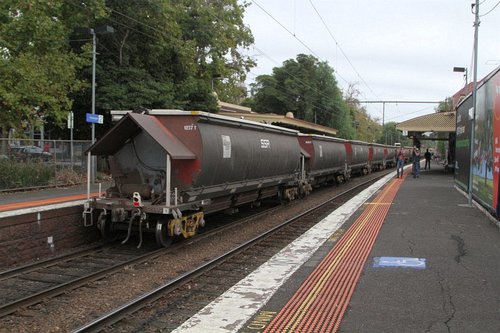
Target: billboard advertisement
x,y
486,146
462,144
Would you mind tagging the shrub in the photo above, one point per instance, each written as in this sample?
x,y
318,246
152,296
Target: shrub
x,y
66,176
16,174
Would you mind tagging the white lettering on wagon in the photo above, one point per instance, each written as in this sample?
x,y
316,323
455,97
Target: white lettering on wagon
x,y
226,146
265,143
191,127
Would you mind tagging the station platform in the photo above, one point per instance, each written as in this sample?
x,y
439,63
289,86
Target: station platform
x,y
16,203
405,255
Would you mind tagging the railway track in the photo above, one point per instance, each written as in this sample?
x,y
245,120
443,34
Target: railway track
x,y
31,284
170,304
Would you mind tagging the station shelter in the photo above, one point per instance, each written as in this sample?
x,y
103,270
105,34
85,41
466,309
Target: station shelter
x,y
440,126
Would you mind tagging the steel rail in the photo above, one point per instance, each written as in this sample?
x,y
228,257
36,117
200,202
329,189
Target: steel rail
x,y
46,263
11,307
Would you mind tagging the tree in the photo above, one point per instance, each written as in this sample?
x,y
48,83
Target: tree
x,y
163,54
38,63
391,133
444,106
307,88
37,66
366,128
178,47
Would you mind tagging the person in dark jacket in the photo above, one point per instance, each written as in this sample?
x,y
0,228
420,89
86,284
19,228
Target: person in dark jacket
x,y
427,156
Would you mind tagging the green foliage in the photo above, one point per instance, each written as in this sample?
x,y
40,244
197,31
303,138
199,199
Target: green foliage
x,y
307,88
130,88
170,52
444,106
163,54
14,174
37,66
390,134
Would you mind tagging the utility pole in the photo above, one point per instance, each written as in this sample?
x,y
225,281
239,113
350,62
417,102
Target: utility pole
x,y
383,122
474,99
93,169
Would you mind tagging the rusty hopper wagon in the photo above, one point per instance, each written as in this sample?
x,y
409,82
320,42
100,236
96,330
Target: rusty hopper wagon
x,y
378,154
358,157
325,159
171,167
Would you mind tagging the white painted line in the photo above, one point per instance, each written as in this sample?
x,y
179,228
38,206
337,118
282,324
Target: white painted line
x,y
37,209
230,311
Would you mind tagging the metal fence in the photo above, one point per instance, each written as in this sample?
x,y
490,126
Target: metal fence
x,y
37,163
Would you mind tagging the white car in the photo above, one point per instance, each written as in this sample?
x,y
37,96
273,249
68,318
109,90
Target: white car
x,y
33,152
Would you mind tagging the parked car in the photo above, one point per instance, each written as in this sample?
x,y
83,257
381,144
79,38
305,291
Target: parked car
x,y
30,153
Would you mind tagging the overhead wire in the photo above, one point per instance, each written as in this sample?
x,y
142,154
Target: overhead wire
x,y
409,113
305,45
342,50
297,79
492,9
294,36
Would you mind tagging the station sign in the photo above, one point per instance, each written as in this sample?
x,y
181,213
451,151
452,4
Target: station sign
x,y
94,118
71,120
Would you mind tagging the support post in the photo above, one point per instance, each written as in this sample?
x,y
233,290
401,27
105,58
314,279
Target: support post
x,y
88,175
474,102
168,181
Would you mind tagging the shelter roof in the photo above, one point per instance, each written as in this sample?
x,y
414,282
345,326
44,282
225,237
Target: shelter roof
x,y
434,122
288,121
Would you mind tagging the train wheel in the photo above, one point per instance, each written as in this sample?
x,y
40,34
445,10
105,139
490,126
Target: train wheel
x,y
162,237
106,227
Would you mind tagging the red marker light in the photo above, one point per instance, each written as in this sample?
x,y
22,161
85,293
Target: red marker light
x,y
136,199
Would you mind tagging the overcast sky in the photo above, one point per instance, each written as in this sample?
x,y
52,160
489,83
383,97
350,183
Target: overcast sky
x,y
399,49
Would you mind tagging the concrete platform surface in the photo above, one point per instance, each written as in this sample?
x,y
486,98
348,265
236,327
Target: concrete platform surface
x,y
459,288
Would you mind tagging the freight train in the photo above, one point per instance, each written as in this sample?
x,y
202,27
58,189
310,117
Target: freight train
x,y
171,168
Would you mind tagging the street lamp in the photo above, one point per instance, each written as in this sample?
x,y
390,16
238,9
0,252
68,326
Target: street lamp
x,y
215,77
462,70
101,30
104,29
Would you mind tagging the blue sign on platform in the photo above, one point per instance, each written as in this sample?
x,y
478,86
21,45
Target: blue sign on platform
x,y
94,118
418,263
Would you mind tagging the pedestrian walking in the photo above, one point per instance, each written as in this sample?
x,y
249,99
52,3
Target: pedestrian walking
x,y
400,162
416,162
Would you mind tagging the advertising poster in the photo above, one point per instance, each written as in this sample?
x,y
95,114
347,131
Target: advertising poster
x,y
496,139
482,166
486,146
462,144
